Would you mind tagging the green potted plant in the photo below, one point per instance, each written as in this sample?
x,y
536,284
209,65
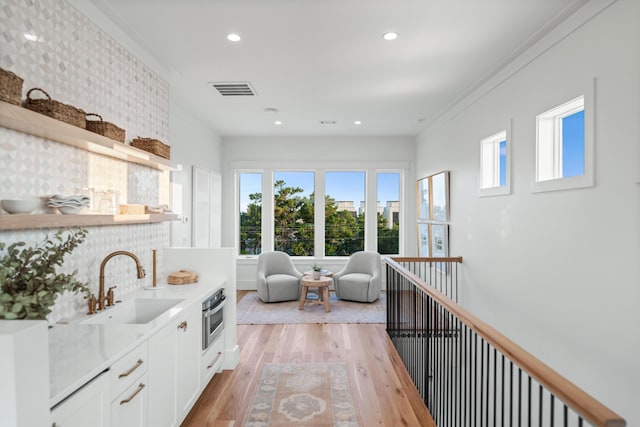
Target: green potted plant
x,y
317,270
29,280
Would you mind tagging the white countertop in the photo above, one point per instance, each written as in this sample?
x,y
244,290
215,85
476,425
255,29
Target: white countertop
x,y
78,352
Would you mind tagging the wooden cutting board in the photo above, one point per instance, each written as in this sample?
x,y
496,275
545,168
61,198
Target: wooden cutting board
x,y
182,277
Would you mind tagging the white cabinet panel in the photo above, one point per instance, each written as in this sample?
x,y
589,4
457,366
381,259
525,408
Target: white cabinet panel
x,y
89,406
189,355
163,365
174,368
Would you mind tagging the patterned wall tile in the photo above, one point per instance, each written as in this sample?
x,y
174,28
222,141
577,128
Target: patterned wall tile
x,y
79,64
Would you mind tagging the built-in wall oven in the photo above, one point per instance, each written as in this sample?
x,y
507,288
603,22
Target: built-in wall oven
x,y
212,318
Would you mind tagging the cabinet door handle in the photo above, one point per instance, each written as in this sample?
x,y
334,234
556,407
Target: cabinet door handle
x,y
135,393
215,361
183,325
133,368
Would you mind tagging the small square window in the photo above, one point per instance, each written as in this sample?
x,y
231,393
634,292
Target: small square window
x,y
564,147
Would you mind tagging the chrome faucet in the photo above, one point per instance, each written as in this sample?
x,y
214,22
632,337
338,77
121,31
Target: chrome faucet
x,y
101,295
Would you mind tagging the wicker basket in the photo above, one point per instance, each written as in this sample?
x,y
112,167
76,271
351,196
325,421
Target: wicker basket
x,y
10,87
105,128
153,146
56,109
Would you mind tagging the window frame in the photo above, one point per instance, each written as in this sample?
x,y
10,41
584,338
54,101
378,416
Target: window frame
x,y
496,138
319,169
556,114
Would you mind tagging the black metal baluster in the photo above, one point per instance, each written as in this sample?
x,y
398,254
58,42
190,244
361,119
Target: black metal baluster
x,y
510,393
529,400
552,410
502,393
474,379
495,387
482,380
463,385
540,396
519,396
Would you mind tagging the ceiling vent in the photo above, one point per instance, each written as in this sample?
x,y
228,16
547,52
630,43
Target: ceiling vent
x,y
327,122
234,88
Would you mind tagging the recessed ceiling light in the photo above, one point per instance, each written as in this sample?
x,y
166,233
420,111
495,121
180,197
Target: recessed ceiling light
x,y
233,37
277,122
390,35
357,122
31,37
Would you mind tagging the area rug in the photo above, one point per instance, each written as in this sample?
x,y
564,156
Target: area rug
x,y
252,311
303,394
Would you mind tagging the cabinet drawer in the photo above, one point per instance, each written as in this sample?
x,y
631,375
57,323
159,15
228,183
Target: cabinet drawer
x,y
128,369
212,361
130,408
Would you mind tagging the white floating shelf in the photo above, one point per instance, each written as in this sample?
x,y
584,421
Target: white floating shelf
x,y
27,121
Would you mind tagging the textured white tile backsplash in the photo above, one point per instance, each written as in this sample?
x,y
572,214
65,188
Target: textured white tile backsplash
x,y
79,64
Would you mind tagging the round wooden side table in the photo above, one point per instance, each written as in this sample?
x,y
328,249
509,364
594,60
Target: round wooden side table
x,y
322,284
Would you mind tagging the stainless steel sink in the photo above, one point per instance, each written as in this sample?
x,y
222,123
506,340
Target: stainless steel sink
x,y
136,311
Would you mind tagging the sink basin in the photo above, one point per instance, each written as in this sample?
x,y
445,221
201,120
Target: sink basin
x,y
136,311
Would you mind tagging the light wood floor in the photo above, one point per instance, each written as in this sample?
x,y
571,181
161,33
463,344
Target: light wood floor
x,y
382,390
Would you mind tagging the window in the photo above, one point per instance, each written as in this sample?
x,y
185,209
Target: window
x,y
250,191
388,188
293,214
344,212
564,147
494,165
320,213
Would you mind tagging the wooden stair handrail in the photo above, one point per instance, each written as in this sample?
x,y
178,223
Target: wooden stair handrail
x,y
580,401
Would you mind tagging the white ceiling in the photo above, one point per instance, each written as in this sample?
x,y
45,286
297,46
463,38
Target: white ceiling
x,y
318,60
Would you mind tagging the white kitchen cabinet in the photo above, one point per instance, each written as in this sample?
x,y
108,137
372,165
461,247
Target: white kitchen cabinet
x,y
130,408
189,355
174,368
88,406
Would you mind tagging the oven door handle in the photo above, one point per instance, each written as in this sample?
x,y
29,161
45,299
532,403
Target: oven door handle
x,y
214,310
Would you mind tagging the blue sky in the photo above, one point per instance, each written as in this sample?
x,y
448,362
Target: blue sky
x,y
339,185
573,145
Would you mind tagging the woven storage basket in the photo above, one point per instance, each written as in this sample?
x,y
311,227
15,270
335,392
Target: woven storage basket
x,y
56,109
105,128
10,87
153,146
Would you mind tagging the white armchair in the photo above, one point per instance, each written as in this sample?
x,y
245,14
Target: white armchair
x,y
278,279
360,279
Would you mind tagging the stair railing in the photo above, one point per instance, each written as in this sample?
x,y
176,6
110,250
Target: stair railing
x,y
467,372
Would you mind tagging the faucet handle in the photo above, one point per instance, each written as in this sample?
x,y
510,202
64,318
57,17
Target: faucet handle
x,y
110,296
92,304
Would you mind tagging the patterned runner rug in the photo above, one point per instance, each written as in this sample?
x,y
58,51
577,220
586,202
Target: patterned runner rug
x,y
303,394
252,311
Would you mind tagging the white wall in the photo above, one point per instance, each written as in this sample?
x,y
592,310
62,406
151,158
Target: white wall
x,y
557,272
193,144
313,152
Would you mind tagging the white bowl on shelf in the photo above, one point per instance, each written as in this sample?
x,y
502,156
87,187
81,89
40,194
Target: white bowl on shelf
x,y
70,209
19,206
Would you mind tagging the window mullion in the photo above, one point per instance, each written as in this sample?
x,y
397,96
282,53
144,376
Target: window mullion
x,y
319,213
371,217
267,211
